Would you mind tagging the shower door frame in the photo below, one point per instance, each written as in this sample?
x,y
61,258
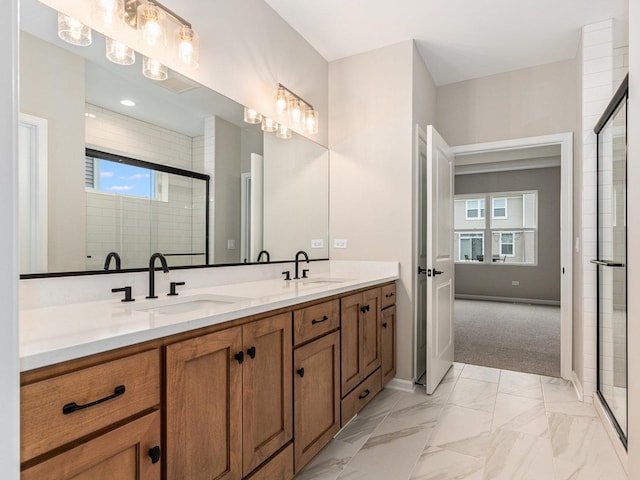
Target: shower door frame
x,y
621,95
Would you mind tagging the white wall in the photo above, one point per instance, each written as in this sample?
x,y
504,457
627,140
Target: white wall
x,y
374,99
633,232
9,379
46,68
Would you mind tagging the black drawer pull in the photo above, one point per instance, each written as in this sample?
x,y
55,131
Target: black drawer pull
x,y
240,357
324,319
301,372
74,407
252,352
384,325
154,453
389,295
364,394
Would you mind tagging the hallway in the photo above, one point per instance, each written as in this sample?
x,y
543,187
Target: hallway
x,y
480,424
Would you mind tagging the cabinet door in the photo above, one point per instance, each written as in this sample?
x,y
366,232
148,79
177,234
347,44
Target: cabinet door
x,y
121,454
351,334
388,344
267,397
370,343
316,396
204,407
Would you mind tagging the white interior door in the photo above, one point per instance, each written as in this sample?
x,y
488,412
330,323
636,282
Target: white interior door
x,y
421,281
439,259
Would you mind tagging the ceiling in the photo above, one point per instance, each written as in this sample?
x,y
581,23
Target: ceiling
x,y
457,39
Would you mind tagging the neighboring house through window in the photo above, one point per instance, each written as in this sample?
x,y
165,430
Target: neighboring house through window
x,y
499,207
474,209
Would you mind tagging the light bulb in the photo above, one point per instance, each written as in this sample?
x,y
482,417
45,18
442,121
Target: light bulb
x,y
311,121
251,116
153,69
107,12
119,53
295,111
72,31
283,132
188,47
281,100
150,25
269,125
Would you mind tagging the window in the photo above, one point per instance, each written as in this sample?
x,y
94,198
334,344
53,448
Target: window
x,y
499,207
120,178
470,246
508,236
506,244
474,209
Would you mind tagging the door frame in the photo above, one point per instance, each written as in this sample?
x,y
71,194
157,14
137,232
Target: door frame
x,y
565,141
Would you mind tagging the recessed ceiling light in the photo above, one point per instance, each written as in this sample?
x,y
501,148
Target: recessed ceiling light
x,y
128,103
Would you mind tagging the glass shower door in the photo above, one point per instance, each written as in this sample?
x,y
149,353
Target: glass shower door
x,y
612,261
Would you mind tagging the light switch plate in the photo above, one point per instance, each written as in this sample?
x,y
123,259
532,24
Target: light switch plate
x,y
231,244
317,243
339,243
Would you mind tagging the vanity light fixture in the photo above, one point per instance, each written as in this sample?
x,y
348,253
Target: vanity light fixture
x,y
150,19
119,53
251,116
72,31
269,125
188,46
301,113
153,69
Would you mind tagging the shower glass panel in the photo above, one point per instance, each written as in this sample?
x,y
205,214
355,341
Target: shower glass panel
x,y
612,261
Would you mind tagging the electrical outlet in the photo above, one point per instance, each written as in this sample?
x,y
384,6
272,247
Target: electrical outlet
x,y
231,244
515,283
317,243
339,243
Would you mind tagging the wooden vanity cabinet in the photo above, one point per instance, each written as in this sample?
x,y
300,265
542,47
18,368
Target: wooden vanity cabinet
x,y
316,366
228,400
388,344
98,420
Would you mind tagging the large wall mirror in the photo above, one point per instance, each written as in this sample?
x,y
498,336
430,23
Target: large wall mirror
x,y
76,207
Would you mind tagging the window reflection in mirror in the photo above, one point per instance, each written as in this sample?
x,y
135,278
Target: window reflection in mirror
x,y
266,193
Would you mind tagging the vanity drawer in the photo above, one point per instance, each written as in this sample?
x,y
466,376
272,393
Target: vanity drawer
x,y
314,321
360,397
388,296
45,426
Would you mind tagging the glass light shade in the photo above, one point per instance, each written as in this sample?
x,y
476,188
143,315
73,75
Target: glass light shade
x,y
72,31
119,53
188,47
251,116
151,25
153,69
295,111
269,125
107,12
283,132
311,121
281,100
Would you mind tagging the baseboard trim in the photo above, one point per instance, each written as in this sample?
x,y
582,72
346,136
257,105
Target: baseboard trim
x,y
611,433
402,385
577,385
535,301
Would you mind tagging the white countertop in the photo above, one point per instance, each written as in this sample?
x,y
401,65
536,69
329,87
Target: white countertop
x,y
58,333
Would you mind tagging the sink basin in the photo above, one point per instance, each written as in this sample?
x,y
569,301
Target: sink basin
x,y
172,306
324,281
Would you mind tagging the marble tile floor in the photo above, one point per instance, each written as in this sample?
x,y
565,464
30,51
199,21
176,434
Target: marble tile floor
x,y
480,424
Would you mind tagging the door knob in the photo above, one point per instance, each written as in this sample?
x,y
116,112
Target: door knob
x,y
422,271
437,272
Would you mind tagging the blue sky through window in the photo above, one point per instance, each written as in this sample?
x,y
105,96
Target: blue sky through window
x,y
125,179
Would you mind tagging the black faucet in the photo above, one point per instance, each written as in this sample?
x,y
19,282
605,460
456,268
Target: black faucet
x,y
266,254
306,257
107,261
165,269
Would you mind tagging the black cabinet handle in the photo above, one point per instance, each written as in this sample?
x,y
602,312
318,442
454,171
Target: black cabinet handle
x,y
384,325
154,453
324,319
252,352
364,394
364,309
240,357
74,407
389,295
301,372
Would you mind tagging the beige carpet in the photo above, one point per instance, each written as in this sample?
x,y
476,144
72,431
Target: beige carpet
x,y
511,336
